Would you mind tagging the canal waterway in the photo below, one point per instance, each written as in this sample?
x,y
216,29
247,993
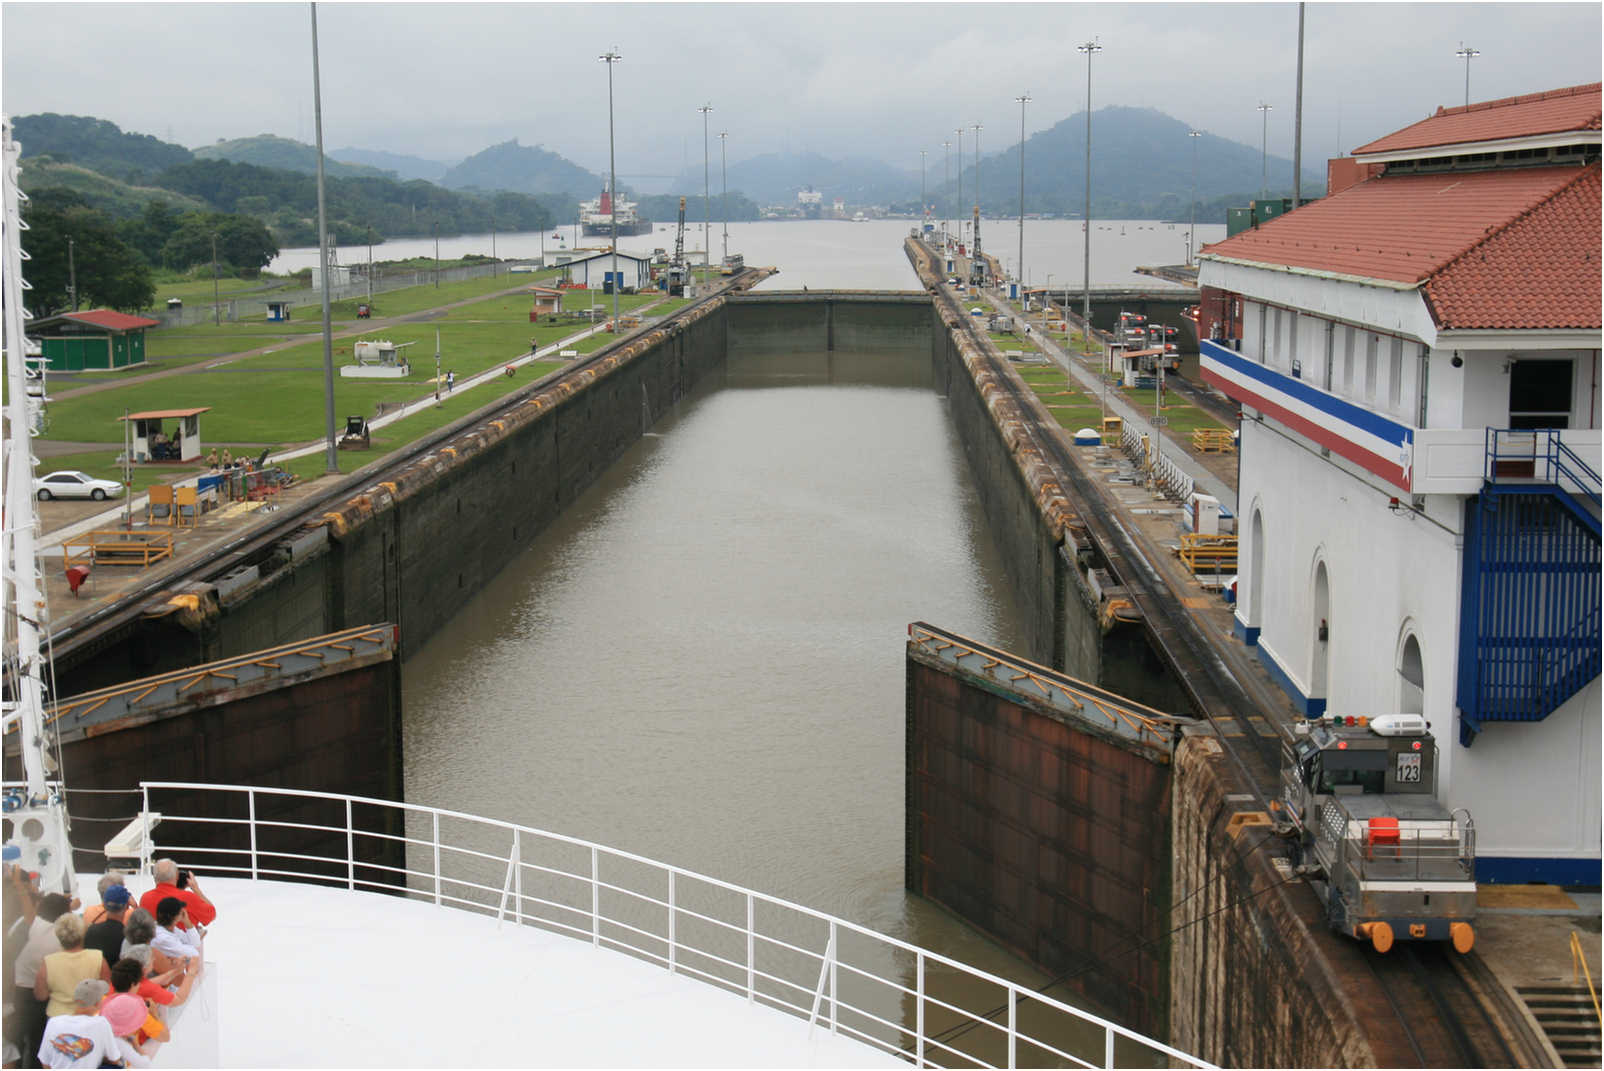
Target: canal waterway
x,y
702,660
821,254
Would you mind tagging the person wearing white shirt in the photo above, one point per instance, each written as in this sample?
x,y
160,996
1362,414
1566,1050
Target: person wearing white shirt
x,y
27,1022
82,1038
171,940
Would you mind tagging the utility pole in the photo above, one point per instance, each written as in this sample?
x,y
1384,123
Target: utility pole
x,y
924,211
960,183
331,452
72,271
946,180
437,368
1467,54
370,269
975,263
434,228
1264,149
217,316
724,198
1022,100
1191,241
1089,48
707,203
1297,123
610,57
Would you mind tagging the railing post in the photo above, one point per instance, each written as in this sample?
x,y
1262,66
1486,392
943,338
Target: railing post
x,y
824,968
251,799
518,876
145,852
435,815
350,849
919,1010
514,867
1108,1046
673,946
1013,1028
595,898
835,999
751,965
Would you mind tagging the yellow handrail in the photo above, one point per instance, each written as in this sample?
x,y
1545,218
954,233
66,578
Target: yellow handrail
x,y
1578,956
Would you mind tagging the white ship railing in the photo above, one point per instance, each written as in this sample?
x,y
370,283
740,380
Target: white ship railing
x,y
837,975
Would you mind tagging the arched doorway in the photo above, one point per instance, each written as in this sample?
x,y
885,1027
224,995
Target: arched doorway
x,y
1322,634
1255,606
1411,678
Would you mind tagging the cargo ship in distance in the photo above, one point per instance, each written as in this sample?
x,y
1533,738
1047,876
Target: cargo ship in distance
x,y
596,217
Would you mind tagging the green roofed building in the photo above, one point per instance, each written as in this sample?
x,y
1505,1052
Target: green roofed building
x,y
96,340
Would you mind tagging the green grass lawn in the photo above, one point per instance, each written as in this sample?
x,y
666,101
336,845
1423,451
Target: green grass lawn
x,y
200,290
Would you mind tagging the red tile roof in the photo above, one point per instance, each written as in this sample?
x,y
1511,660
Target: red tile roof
x,y
1554,112
1487,243
116,321
1540,271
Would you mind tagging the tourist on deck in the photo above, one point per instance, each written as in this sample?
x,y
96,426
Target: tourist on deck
x,y
211,459
169,882
97,912
80,1038
177,935
127,1014
107,934
170,987
228,458
27,1021
60,972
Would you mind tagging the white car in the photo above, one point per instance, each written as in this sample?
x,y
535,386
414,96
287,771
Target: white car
x,y
74,484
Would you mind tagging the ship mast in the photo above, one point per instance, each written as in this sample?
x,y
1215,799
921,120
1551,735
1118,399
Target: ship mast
x,y
37,814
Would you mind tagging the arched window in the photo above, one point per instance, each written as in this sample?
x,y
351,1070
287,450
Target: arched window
x,y
1255,606
1411,678
1321,632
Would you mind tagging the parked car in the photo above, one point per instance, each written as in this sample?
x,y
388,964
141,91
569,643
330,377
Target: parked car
x,y
74,484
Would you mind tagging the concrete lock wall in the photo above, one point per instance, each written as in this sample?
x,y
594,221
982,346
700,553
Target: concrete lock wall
x,y
1052,839
1250,954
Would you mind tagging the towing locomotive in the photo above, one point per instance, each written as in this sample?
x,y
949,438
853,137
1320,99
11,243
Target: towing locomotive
x,y
1387,860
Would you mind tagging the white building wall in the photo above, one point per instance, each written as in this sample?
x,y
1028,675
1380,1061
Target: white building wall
x,y
1533,788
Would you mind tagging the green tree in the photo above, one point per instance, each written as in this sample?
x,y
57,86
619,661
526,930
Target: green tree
x,y
108,271
242,243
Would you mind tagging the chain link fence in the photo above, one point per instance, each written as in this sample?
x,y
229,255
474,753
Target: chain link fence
x,y
351,284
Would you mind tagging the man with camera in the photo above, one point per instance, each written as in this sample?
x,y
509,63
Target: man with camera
x,y
171,882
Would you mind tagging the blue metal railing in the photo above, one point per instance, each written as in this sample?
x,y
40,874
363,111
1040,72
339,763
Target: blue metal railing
x,y
1552,461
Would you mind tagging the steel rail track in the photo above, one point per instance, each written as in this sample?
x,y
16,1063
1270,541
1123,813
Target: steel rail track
x,y
1440,1014
256,538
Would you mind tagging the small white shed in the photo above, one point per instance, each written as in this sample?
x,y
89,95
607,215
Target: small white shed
x,y
592,271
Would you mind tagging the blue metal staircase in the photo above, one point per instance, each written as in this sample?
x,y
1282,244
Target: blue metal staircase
x,y
1530,623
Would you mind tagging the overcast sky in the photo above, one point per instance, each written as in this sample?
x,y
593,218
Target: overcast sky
x,y
885,80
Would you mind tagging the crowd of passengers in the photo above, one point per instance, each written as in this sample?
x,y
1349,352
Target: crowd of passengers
x,y
102,987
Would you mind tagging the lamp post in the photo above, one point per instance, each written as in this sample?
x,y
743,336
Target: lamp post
x,y
1022,100
1090,48
1264,148
331,449
974,230
1191,237
960,184
1467,54
707,204
923,211
72,274
434,229
946,180
217,314
611,57
724,198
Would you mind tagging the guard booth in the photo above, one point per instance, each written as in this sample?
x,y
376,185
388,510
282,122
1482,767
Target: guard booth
x,y
167,434
548,301
278,312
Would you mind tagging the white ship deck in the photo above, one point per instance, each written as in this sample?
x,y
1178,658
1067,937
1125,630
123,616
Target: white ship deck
x,y
302,976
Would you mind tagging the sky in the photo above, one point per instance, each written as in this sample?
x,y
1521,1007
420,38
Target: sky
x,y
443,81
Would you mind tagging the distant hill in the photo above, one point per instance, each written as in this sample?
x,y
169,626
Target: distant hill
x,y
777,177
269,150
96,144
405,167
522,169
1142,167
115,197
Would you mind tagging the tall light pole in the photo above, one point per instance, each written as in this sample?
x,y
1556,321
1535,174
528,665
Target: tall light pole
x,y
724,198
1467,54
72,274
1264,149
946,180
960,183
1090,48
974,236
923,210
1191,241
611,57
217,315
707,203
331,451
1022,100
